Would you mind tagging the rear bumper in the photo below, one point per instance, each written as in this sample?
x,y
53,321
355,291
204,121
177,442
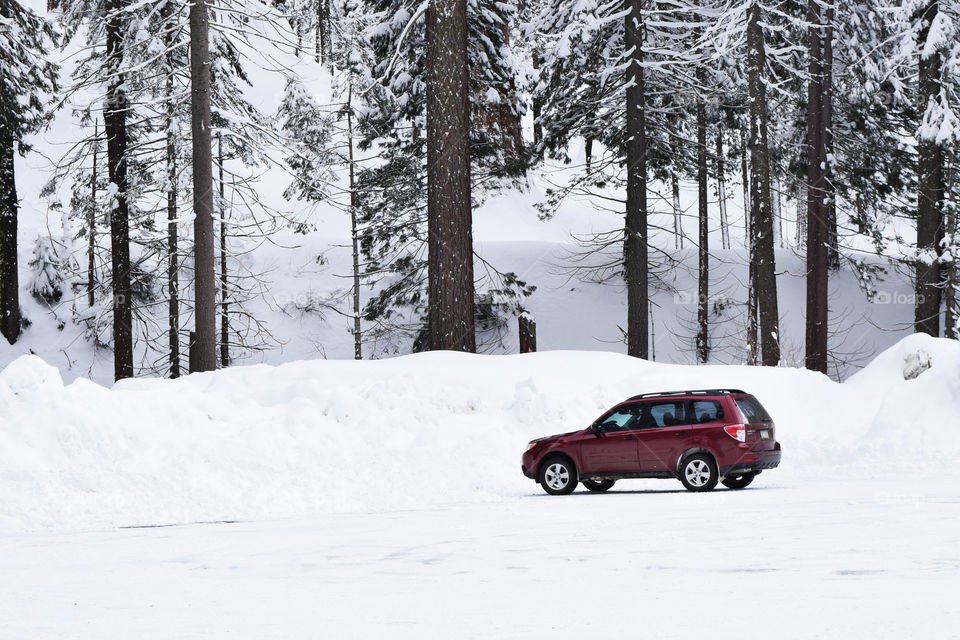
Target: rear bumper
x,y
764,460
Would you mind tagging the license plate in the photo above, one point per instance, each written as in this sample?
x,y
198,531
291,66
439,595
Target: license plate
x,y
764,434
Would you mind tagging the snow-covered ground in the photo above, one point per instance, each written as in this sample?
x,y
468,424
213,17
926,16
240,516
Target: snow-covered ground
x,y
826,556
432,429
384,498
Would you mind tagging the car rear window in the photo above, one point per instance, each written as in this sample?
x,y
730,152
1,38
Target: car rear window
x,y
705,411
751,410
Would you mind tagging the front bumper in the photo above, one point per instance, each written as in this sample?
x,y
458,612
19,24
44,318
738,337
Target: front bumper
x,y
527,473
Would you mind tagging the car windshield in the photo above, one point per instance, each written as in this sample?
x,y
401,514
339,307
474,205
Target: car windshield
x,y
751,410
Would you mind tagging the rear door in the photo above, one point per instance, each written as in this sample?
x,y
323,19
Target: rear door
x,y
662,426
614,449
760,430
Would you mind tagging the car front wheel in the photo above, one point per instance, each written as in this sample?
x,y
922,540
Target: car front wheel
x,y
738,482
558,476
699,473
598,485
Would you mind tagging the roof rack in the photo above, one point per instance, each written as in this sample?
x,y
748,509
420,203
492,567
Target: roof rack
x,y
692,392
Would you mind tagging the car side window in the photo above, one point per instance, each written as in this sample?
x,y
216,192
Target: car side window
x,y
622,419
662,414
705,411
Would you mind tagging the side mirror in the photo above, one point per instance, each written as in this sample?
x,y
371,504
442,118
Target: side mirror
x,y
596,430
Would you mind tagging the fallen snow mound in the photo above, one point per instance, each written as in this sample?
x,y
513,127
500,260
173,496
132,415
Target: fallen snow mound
x,y
322,436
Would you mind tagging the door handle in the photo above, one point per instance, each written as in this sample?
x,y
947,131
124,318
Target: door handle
x,y
629,437
681,433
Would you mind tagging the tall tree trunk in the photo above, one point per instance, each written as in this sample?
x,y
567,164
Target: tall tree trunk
x,y
750,246
951,299
173,269
327,28
722,195
818,236
800,239
635,233
450,242
9,279
677,222
745,172
826,101
354,235
224,285
769,331
753,345
951,305
204,347
115,128
588,152
318,33
537,106
930,186
775,212
92,224
703,289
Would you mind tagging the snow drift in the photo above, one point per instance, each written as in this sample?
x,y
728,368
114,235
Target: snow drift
x,y
324,436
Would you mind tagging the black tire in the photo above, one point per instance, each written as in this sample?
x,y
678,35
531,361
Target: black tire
x,y
699,472
557,476
598,485
738,482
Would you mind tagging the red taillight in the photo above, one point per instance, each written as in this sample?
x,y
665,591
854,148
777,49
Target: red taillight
x,y
737,431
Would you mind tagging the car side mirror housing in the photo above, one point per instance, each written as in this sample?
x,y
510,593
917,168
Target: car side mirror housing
x,y
596,430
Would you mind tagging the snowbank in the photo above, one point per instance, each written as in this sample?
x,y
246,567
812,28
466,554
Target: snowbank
x,y
322,436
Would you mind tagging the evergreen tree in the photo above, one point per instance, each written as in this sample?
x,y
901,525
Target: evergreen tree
x,y
26,77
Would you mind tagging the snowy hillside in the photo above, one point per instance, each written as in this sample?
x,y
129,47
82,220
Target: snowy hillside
x,y
261,442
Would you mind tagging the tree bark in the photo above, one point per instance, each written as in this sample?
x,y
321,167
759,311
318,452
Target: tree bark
x,y
677,222
951,300
450,233
818,236
354,234
9,279
173,268
767,310
826,100
722,195
930,186
537,106
204,356
92,224
703,289
224,284
115,128
527,327
635,233
745,172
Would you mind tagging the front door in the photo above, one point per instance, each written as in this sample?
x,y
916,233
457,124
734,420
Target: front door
x,y
614,448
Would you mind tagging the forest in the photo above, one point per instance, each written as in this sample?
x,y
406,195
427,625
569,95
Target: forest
x,y
155,149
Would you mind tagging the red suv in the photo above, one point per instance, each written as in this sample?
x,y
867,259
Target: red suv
x,y
701,437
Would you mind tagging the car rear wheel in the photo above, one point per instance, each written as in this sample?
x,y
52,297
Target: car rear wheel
x,y
598,485
558,476
699,473
738,482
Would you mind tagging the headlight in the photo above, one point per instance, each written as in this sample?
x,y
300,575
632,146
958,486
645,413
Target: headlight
x,y
531,445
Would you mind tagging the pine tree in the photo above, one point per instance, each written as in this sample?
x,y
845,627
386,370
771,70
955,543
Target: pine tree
x,y
393,228
25,77
762,256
